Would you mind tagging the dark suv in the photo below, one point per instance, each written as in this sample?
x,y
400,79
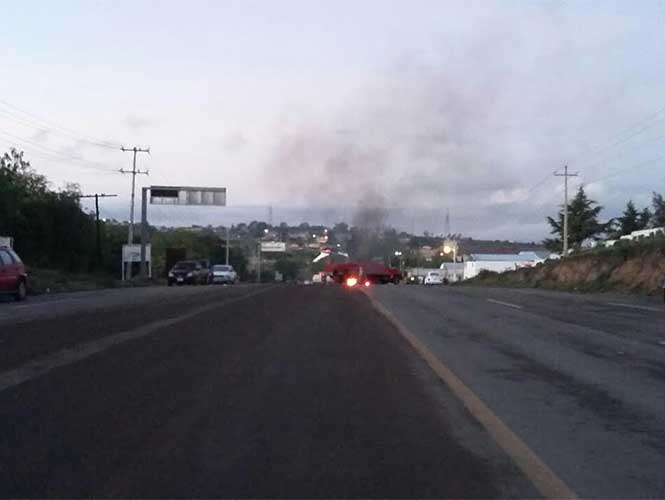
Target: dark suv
x,y
13,277
188,272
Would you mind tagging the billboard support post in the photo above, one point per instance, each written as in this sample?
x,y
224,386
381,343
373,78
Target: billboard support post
x,y
144,231
175,195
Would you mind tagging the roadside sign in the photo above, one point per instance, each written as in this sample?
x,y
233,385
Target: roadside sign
x,y
188,195
132,253
273,246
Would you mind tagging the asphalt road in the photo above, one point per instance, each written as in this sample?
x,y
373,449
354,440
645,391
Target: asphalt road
x,y
310,391
581,379
230,392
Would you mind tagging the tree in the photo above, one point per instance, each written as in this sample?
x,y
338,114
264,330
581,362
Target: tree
x,y
582,222
288,266
49,227
630,220
644,218
658,216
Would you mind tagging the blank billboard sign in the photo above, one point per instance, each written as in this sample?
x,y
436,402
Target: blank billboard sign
x,y
188,195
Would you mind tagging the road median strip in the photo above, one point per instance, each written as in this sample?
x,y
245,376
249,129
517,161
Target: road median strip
x,y
44,364
537,471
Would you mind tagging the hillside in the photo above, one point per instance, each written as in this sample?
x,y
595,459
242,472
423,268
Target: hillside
x,y
470,245
626,268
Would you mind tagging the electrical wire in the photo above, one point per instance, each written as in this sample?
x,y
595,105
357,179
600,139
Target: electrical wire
x,y
632,131
53,154
617,172
19,115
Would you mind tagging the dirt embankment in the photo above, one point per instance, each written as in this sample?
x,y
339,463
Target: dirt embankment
x,y
629,268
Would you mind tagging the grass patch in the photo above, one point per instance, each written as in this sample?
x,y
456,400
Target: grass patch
x,y
42,281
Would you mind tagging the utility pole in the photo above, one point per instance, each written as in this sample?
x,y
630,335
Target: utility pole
x,y
258,252
97,196
134,172
227,245
565,176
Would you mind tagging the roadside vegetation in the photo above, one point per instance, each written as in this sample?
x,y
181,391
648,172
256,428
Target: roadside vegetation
x,y
584,223
627,267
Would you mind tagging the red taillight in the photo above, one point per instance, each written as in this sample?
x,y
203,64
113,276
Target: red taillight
x,y
367,283
351,281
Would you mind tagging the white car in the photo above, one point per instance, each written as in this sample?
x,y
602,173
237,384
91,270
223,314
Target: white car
x,y
223,274
434,278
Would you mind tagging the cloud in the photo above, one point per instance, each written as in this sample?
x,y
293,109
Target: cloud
x,y
136,122
471,127
41,136
234,142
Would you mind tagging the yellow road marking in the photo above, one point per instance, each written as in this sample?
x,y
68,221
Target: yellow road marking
x,y
542,477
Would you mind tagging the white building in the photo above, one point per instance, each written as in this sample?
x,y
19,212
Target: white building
x,y
499,263
643,233
453,271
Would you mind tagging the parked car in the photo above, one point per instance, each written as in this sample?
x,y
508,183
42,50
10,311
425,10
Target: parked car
x,y
13,276
224,274
188,272
434,278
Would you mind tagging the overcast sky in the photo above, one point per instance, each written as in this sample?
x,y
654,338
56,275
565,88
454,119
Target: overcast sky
x,y
319,107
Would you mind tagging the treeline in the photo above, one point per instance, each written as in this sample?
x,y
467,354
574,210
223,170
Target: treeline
x,y
49,228
584,221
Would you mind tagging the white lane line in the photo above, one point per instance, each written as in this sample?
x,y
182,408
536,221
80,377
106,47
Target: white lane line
x,y
44,364
507,304
633,306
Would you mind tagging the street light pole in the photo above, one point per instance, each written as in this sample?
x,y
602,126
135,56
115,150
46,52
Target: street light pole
x,y
258,273
227,245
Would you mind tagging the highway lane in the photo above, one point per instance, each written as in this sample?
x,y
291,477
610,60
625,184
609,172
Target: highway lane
x,y
231,392
581,379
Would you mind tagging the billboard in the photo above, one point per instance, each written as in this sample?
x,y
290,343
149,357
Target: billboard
x,y
273,246
188,195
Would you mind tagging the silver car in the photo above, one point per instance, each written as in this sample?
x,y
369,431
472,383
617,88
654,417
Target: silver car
x,y
223,274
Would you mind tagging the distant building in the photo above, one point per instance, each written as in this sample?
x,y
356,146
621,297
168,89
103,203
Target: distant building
x,y
303,234
643,233
453,271
499,263
427,252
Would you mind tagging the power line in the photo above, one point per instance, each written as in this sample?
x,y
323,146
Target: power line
x,y
53,154
539,183
632,131
48,125
590,166
619,171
